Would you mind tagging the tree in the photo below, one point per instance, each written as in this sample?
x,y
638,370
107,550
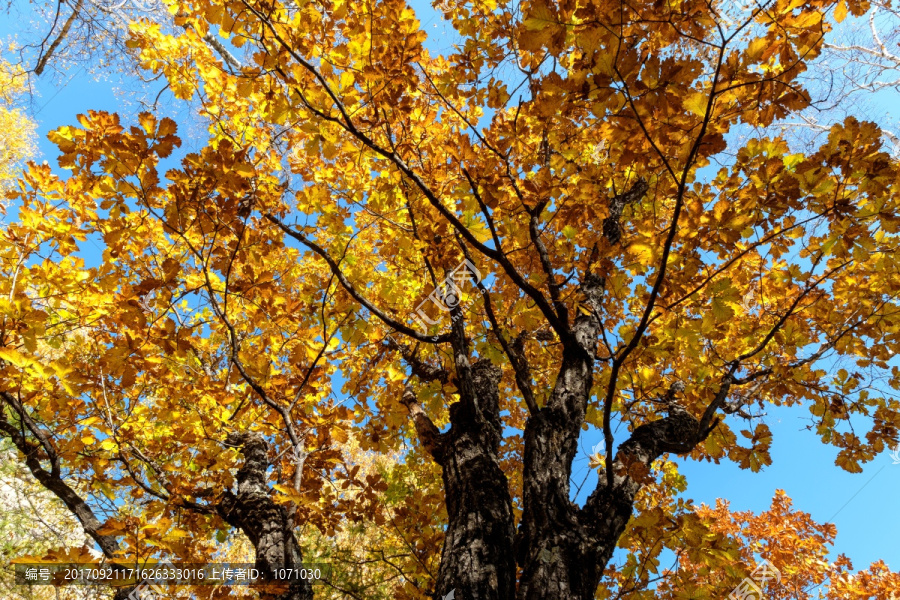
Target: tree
x,y
641,257
875,60
32,521
862,51
85,33
16,130
96,391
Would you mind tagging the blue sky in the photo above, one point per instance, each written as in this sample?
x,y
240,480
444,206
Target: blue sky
x,y
863,506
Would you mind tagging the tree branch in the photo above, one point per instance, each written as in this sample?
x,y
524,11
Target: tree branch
x,y
345,283
429,435
345,122
43,59
55,483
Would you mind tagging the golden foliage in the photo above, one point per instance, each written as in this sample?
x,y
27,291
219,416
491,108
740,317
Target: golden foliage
x,y
16,129
249,284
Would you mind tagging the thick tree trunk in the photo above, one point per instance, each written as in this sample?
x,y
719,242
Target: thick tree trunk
x,y
561,549
551,548
477,560
564,550
263,521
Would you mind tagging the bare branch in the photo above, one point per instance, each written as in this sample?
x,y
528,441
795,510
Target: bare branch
x,y
44,58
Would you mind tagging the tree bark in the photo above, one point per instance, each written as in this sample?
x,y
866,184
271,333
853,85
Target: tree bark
x,y
608,509
551,547
477,560
264,522
564,549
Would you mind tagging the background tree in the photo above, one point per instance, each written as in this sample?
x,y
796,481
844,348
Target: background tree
x,y
125,384
33,521
864,51
16,129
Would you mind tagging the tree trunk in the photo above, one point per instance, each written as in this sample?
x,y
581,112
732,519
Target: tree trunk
x,y
551,548
477,560
264,522
564,550
561,549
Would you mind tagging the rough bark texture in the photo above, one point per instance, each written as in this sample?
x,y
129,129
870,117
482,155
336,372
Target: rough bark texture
x,y
263,521
563,549
477,560
551,547
608,509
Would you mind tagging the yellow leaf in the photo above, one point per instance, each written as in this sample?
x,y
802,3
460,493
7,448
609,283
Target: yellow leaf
x,y
148,122
642,253
756,48
244,170
696,103
395,374
539,17
840,11
339,435
13,356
